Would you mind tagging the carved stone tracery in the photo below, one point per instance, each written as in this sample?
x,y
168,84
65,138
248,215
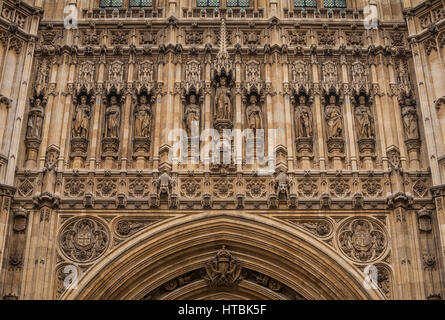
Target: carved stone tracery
x,y
362,240
84,240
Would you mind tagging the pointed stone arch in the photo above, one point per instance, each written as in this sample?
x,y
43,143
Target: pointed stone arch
x,y
305,266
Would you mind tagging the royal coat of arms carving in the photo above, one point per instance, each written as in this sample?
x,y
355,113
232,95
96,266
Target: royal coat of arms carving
x,y
362,240
84,240
223,271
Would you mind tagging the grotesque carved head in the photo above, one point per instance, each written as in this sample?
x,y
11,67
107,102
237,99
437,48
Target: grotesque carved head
x,y
37,102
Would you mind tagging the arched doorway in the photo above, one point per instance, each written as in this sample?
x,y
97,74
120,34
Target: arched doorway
x,y
268,260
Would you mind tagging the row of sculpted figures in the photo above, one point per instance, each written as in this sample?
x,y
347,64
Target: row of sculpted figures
x,y
223,115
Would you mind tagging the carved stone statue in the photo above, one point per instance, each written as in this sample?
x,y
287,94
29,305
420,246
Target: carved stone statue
x,y
409,116
49,172
35,120
303,119
81,119
223,101
192,115
334,119
364,120
112,119
142,121
254,114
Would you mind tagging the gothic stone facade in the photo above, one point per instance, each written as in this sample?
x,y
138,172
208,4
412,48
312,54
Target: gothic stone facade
x,y
88,189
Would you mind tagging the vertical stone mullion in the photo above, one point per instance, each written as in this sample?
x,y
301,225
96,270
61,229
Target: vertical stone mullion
x,y
269,105
429,116
158,104
3,59
318,115
288,116
19,114
405,279
56,126
50,105
350,136
396,119
126,112
96,131
28,261
238,110
379,115
207,114
50,260
6,195
178,107
427,90
385,101
68,112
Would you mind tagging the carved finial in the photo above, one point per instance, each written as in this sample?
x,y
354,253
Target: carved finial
x,y
223,63
223,38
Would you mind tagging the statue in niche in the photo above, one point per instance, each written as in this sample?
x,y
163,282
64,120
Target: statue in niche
x,y
49,171
35,120
81,118
223,98
364,120
143,117
192,114
303,119
254,114
112,118
334,119
409,116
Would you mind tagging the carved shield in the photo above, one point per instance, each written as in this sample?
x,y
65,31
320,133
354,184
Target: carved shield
x,y
84,238
361,240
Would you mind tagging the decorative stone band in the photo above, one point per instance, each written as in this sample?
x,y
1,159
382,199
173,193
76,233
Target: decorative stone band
x,y
7,191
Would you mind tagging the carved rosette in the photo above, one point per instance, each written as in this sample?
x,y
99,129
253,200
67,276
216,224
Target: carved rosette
x,y
362,240
84,240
